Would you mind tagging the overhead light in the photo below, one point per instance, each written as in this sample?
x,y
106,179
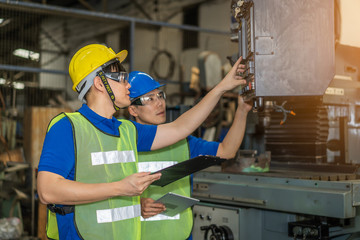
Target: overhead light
x,y
27,54
18,85
2,81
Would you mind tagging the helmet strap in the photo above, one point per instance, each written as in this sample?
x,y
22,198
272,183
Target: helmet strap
x,y
108,88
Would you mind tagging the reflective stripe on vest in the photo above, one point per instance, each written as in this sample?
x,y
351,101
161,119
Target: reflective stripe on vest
x,y
160,217
154,166
160,226
98,158
117,214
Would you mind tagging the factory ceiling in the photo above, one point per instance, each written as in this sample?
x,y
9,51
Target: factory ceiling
x,y
139,8
20,27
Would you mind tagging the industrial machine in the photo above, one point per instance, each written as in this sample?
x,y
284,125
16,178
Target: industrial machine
x,y
306,122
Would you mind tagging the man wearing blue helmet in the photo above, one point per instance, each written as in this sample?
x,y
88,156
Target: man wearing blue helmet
x,y
148,107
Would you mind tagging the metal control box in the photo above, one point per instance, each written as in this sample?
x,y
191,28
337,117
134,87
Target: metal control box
x,y
210,220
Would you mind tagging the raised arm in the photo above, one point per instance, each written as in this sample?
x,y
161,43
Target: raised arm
x,y
232,141
184,125
55,189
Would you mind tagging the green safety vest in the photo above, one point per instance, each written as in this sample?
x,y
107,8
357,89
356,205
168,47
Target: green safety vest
x,y
102,158
52,231
161,226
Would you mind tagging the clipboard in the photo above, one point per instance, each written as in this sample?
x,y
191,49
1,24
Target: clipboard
x,y
185,168
176,203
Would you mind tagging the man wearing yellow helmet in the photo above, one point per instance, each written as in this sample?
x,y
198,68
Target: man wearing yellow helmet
x,y
148,106
88,167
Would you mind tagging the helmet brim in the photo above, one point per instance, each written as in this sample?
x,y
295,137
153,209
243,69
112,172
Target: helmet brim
x,y
146,91
121,55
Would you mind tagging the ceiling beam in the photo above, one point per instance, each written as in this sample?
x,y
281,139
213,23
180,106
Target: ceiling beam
x,y
54,10
86,5
142,10
104,5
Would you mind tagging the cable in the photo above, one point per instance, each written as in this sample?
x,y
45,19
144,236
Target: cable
x,y
170,71
280,108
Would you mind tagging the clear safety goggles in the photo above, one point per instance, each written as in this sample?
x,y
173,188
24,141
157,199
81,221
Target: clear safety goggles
x,y
149,99
121,77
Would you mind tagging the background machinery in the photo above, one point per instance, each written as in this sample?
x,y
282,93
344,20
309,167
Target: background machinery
x,y
305,119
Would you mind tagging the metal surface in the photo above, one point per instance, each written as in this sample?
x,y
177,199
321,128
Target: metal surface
x,y
300,36
321,198
31,69
293,60
302,137
294,51
209,214
259,224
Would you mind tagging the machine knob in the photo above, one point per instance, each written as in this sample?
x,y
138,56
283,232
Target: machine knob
x,y
214,232
201,216
209,217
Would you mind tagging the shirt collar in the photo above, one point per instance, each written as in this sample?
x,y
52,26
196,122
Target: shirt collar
x,y
96,119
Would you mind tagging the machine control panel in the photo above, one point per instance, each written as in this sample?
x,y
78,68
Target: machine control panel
x,y
310,230
213,222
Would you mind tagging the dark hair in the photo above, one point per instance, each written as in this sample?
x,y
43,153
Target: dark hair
x,y
117,66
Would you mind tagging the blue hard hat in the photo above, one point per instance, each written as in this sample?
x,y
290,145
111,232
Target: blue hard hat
x,y
141,83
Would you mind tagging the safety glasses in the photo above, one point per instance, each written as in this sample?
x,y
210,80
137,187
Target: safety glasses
x,y
121,77
149,99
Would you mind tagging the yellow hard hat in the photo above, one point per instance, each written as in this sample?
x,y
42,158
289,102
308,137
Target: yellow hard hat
x,y
89,58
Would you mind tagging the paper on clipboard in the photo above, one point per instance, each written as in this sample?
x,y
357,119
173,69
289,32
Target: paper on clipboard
x,y
176,203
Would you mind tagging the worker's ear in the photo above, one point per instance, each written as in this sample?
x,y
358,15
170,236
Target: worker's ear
x,y
98,83
133,111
